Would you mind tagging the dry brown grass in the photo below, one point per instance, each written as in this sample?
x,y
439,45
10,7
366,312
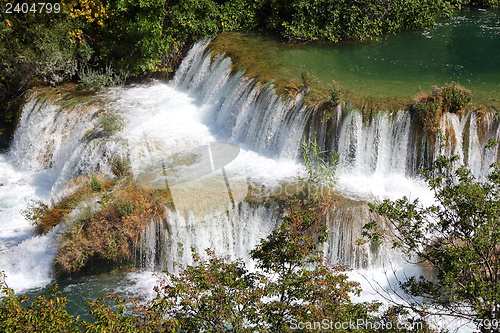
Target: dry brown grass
x,y
103,235
109,235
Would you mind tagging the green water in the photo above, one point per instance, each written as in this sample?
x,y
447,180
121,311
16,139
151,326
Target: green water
x,y
79,290
464,49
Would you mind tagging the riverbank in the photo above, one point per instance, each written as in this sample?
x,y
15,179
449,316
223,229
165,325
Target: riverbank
x,y
390,71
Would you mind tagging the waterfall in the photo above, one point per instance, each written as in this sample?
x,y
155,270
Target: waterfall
x,y
469,135
252,115
65,134
345,226
61,140
379,147
167,244
60,137
242,110
26,260
231,234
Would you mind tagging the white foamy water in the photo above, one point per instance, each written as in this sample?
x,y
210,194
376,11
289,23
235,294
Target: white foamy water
x,y
160,121
377,187
26,260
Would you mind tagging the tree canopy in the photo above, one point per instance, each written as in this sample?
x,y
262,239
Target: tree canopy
x,y
458,237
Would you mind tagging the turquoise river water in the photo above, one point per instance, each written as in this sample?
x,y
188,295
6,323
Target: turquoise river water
x,y
464,49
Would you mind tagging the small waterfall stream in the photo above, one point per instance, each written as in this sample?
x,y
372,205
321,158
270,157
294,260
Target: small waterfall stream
x,y
231,234
57,140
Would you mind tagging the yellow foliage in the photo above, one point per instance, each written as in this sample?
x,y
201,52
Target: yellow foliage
x,y
75,35
90,10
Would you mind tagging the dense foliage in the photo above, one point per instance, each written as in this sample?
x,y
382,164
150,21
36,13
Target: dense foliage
x,y
458,237
344,20
479,3
451,97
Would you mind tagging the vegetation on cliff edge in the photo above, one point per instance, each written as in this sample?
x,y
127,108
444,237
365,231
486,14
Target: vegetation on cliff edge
x,y
99,220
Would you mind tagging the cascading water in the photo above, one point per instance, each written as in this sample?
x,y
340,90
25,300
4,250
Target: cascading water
x,y
43,155
151,125
242,110
388,145
26,260
231,234
205,103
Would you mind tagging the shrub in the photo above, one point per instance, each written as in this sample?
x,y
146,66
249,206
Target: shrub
x,y
95,184
35,211
46,313
452,97
458,237
335,94
331,99
343,20
85,214
126,208
99,78
429,112
320,169
120,167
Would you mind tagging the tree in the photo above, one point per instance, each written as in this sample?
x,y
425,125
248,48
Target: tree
x,y
212,296
46,313
459,237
